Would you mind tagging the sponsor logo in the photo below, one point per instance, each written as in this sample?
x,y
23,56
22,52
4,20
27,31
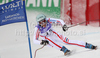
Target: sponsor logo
x,y
12,5
36,3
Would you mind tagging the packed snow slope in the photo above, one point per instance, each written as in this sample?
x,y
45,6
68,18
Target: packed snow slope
x,y
14,41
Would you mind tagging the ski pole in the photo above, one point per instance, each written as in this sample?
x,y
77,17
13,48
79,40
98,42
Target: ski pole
x,y
81,23
37,50
76,24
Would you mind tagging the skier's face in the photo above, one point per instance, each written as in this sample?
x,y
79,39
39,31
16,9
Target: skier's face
x,y
43,23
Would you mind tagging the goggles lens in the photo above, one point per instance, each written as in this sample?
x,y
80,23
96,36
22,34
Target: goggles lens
x,y
42,22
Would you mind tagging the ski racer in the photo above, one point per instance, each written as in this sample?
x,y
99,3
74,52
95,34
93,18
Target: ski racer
x,y
52,38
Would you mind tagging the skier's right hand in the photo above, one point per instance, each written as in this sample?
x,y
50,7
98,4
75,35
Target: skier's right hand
x,y
44,42
65,28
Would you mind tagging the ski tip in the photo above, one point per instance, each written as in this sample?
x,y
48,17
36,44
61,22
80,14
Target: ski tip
x,y
96,48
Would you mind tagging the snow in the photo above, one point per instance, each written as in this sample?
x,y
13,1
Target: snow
x,y
14,41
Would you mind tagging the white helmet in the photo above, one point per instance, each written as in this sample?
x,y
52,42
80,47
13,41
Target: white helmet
x,y
40,17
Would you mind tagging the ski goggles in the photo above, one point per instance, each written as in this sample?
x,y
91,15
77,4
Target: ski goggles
x,y
42,22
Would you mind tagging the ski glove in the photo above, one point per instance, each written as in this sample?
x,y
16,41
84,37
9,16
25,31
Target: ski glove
x,y
64,27
44,42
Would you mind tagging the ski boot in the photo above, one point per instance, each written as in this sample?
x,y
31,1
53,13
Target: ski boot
x,y
65,50
68,52
90,46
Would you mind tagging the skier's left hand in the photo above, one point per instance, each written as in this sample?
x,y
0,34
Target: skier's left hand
x,y
44,42
65,27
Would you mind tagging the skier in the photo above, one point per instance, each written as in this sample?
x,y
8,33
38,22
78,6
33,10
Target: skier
x,y
52,38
